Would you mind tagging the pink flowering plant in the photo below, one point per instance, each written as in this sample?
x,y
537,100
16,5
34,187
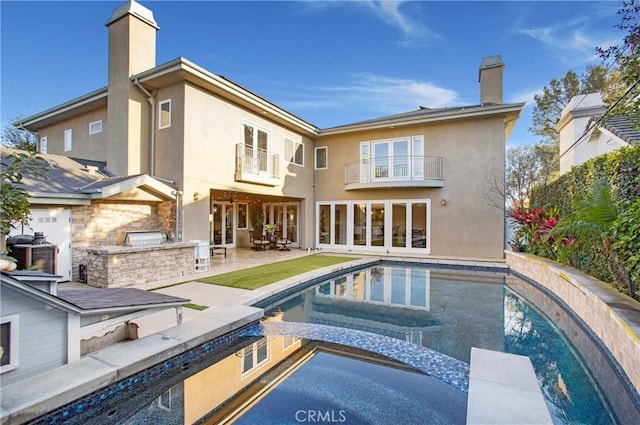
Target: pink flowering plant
x,y
534,227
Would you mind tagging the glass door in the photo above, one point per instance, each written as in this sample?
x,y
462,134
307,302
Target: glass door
x,y
222,224
291,224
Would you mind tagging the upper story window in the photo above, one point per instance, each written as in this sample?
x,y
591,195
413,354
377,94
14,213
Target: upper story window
x,y
95,127
254,355
68,139
164,114
256,137
321,158
43,144
9,343
294,151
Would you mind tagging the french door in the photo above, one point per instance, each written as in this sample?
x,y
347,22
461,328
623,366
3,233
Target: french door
x,y
390,225
285,216
222,224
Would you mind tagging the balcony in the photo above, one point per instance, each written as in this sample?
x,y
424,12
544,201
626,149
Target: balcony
x,y
256,166
394,171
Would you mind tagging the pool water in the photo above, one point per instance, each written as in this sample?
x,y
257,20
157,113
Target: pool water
x,y
370,347
450,312
331,388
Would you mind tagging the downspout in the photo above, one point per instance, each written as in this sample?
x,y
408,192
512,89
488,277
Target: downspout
x,y
178,194
152,101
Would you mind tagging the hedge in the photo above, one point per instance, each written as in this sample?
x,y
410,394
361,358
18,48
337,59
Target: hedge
x,y
621,170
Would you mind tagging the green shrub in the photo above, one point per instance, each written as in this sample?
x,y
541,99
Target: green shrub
x,y
627,233
620,171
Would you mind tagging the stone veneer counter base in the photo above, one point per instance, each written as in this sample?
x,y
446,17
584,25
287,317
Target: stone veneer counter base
x,y
120,266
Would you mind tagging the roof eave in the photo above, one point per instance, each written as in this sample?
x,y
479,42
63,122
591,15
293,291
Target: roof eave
x,y
89,101
144,182
514,108
232,91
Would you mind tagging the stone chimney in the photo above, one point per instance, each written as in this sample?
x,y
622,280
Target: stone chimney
x,y
132,49
490,77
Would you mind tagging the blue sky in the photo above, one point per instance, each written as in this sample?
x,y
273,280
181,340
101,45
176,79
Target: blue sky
x,y
328,62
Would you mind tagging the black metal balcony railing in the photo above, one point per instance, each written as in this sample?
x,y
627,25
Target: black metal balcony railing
x,y
256,163
394,168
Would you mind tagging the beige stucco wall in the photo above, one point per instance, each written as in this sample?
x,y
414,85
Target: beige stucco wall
x,y
198,151
84,145
132,46
472,154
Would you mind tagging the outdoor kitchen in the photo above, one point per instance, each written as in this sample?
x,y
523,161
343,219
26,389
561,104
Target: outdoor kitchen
x,y
144,256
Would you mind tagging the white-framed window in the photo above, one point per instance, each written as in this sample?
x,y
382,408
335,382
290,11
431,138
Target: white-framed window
x,y
294,152
95,127
68,139
288,341
9,333
254,356
164,114
256,148
243,212
321,158
399,158
164,401
43,144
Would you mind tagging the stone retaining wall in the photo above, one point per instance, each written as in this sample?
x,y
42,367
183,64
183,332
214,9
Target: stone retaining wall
x,y
607,312
119,266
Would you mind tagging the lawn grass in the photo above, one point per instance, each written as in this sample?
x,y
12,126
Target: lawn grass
x,y
256,277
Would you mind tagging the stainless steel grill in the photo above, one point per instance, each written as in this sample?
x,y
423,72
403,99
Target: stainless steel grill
x,y
143,238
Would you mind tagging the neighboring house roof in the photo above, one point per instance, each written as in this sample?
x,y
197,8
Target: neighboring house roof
x,y
624,127
92,299
72,181
95,300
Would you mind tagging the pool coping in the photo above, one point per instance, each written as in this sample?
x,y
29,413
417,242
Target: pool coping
x,y
613,317
37,395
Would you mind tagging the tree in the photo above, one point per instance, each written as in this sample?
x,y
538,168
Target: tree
x,y
14,137
549,104
526,167
623,93
14,208
524,170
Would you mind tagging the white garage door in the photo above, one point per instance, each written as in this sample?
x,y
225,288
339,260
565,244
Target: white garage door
x,y
55,223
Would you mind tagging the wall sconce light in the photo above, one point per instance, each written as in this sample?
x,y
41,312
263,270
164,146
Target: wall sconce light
x,y
196,196
443,202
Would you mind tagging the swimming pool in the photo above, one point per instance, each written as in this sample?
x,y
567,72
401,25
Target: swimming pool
x,y
433,310
451,311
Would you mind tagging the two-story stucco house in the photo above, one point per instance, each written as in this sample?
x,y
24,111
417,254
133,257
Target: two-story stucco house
x,y
584,134
412,183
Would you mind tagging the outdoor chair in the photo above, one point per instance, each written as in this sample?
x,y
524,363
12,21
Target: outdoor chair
x,y
281,242
258,244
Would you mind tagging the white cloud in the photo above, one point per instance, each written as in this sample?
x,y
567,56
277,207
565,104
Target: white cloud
x,y
376,94
526,96
393,12
574,40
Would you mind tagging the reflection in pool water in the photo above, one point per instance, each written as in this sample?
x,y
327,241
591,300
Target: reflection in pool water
x,y
245,375
451,311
